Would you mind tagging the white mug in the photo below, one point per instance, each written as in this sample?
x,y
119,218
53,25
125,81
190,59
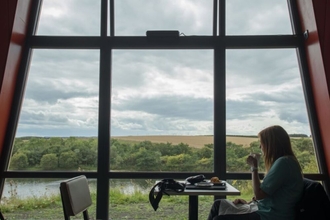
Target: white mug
x,y
256,155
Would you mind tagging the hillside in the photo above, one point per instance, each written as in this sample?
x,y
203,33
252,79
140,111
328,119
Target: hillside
x,y
193,141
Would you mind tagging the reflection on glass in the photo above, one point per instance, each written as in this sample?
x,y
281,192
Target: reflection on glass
x,y
263,88
257,17
193,17
57,128
70,18
162,111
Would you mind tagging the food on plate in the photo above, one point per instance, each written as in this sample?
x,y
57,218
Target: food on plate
x,y
215,180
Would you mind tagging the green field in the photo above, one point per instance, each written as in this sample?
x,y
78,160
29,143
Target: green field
x,y
197,141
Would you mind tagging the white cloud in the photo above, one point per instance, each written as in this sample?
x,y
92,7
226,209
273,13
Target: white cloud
x,y
190,17
258,17
70,17
162,91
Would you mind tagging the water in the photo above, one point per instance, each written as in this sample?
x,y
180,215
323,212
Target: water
x,y
30,189
38,188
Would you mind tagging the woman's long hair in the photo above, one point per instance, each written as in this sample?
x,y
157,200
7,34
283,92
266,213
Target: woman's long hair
x,y
276,143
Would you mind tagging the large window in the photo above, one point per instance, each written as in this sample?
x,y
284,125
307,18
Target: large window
x,y
263,87
57,128
162,107
102,99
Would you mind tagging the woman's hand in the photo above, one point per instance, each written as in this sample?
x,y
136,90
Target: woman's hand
x,y
239,201
252,161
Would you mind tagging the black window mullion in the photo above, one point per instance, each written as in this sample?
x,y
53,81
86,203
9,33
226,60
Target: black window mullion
x,y
220,95
112,18
102,197
295,24
215,17
104,18
222,17
219,111
103,134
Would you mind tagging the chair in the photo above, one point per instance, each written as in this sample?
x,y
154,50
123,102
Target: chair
x,y
75,197
314,204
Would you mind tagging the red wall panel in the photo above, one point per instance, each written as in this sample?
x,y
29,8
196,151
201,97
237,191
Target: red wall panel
x,y
13,37
6,20
313,18
319,13
326,44
322,17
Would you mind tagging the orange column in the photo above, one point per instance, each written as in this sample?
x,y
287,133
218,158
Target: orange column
x,y
314,15
13,28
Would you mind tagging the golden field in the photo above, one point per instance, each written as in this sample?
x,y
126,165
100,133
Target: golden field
x,y
192,141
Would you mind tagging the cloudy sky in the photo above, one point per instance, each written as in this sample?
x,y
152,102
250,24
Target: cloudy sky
x,y
162,92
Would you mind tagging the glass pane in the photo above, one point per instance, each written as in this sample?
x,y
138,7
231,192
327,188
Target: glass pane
x,y
134,193
57,128
162,110
257,17
244,186
70,18
263,88
193,17
38,199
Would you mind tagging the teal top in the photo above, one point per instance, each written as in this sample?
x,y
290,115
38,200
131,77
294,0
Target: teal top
x,y
284,185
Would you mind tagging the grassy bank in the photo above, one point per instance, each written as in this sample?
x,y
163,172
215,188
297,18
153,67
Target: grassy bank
x,y
135,206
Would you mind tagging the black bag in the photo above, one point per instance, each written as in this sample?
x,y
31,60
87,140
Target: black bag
x,y
195,179
163,186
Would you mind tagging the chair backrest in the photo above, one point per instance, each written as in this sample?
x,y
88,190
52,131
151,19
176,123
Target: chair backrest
x,y
75,196
314,204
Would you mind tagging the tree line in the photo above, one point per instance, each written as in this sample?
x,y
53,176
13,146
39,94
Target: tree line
x,y
56,153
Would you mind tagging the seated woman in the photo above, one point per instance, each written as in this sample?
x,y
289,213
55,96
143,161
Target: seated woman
x,y
282,185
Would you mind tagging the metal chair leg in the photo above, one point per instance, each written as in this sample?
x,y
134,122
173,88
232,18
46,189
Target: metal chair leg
x,y
1,216
85,213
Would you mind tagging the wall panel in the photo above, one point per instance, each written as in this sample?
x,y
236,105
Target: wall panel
x,y
13,35
317,59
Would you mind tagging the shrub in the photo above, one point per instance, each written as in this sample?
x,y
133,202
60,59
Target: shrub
x,y
19,161
49,161
68,160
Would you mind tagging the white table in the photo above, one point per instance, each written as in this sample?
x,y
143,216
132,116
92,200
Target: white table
x,y
194,193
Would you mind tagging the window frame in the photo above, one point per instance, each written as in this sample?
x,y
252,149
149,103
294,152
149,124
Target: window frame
x,y
218,42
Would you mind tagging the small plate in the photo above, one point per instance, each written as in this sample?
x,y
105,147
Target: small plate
x,y
204,184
